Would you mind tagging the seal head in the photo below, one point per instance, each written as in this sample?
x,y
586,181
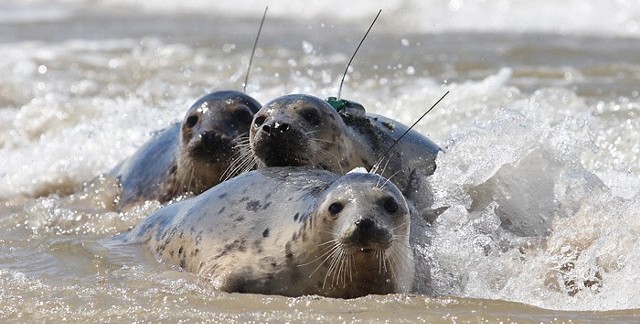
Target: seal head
x,y
367,248
188,157
302,130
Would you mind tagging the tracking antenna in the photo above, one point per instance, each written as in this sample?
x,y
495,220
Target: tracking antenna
x,y
340,104
415,123
253,51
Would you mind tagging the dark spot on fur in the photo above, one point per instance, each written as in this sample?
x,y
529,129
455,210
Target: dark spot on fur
x,y
266,206
287,251
294,237
239,219
267,196
174,168
265,233
223,195
414,181
243,199
182,263
181,250
239,245
242,246
295,217
257,245
253,205
195,252
171,253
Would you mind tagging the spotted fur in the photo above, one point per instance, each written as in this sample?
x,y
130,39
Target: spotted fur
x,y
349,236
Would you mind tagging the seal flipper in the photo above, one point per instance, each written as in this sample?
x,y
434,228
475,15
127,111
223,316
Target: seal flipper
x,y
431,215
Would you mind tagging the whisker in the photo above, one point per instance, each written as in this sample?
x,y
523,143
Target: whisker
x,y
329,250
337,159
328,255
242,160
389,178
332,265
395,228
329,241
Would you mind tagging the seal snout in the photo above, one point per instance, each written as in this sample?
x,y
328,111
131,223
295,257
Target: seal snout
x,y
278,142
208,143
276,128
367,236
214,138
365,224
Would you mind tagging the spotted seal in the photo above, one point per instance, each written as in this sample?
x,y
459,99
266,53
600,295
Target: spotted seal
x,y
190,156
289,231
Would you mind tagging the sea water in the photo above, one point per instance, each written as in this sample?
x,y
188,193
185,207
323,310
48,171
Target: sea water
x,y
540,135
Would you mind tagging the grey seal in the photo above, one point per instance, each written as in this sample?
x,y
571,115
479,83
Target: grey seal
x,y
191,156
289,231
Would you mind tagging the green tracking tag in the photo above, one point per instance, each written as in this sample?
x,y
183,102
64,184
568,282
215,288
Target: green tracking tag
x,y
346,107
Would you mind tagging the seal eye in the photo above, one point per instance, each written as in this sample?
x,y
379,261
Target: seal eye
x,y
335,208
311,116
258,121
390,205
243,115
191,121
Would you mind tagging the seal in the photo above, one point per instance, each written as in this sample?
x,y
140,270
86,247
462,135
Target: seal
x,y
303,130
191,156
289,231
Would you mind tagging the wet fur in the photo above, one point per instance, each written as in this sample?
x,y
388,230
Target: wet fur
x,y
341,142
269,232
188,157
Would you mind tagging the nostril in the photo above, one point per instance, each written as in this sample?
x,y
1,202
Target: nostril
x,y
364,224
282,127
266,129
213,138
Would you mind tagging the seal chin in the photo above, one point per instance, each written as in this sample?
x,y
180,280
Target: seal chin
x,y
277,159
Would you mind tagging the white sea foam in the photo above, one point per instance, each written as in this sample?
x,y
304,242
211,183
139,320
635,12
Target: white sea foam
x,y
620,17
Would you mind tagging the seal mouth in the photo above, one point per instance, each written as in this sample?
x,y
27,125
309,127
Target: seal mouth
x,y
369,249
278,149
366,237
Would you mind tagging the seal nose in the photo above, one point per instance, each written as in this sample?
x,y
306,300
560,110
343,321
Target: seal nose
x,y
276,128
364,224
212,139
